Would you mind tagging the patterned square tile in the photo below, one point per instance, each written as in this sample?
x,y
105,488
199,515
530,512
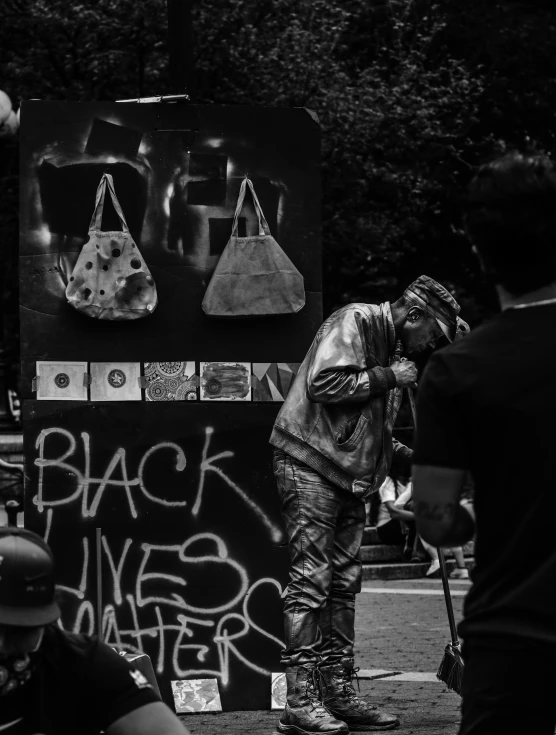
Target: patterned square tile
x,y
225,381
115,381
61,381
170,381
272,380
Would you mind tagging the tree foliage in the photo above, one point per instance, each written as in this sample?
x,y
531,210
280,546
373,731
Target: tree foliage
x,y
412,95
97,49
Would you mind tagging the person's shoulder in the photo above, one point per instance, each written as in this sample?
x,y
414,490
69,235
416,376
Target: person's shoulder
x,y
456,368
80,653
386,487
470,347
78,642
61,648
355,307
54,635
350,313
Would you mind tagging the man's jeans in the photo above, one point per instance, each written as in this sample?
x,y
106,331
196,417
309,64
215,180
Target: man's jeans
x,y
325,527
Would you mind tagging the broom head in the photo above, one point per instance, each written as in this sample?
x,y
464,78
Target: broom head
x,y
450,670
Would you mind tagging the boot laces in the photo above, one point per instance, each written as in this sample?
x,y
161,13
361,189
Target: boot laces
x,y
312,692
349,689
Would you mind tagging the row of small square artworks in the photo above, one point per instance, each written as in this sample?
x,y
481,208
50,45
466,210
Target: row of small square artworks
x,y
164,381
202,695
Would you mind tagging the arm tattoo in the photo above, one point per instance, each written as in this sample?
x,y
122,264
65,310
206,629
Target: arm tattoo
x,y
435,511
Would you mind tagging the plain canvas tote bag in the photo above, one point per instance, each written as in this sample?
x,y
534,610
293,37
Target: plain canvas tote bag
x,y
254,276
110,279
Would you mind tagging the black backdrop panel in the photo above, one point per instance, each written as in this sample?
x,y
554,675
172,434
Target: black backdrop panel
x,y
193,553
279,149
273,339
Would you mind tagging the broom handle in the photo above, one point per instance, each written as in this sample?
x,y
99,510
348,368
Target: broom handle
x,y
441,559
448,597
412,404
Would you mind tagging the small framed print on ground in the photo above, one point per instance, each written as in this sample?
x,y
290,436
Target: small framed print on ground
x,y
278,691
170,381
225,381
115,381
196,695
61,381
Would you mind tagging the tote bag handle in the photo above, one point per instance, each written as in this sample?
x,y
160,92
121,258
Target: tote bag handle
x,y
96,219
264,229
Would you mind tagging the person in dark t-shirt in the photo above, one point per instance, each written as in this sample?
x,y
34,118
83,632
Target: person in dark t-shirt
x,y
58,683
487,404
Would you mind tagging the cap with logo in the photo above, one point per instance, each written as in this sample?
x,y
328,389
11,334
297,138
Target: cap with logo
x,y
26,579
437,301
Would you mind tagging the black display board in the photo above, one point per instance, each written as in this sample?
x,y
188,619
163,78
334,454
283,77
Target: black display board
x,y
192,545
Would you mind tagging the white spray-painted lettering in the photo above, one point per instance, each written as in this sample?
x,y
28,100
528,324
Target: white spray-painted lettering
x,y
180,630
84,479
228,627
119,459
207,465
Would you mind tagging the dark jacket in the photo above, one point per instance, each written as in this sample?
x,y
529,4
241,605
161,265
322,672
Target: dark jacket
x,y
339,413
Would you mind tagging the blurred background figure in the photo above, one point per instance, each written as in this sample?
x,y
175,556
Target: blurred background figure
x,y
395,525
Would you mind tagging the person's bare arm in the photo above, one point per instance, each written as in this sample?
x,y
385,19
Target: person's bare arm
x,y
441,519
154,718
398,514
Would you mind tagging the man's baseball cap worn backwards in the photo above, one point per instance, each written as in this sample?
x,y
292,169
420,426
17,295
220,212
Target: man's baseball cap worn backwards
x,y
431,296
26,579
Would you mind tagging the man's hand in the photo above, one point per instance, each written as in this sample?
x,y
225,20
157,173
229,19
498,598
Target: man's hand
x,y
406,374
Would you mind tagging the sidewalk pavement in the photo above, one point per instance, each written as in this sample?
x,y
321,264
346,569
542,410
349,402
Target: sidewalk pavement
x,y
424,709
404,632
394,632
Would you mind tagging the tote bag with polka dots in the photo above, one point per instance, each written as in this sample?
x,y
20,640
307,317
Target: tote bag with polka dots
x,y
110,279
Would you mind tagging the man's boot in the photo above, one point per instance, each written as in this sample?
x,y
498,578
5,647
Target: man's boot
x,y
339,697
304,712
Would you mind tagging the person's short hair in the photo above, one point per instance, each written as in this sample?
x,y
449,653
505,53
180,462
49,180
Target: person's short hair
x,y
510,217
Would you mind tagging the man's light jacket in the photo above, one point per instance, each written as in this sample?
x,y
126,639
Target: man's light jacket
x,y
339,413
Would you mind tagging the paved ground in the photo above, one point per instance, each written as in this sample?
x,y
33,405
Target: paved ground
x,y
406,632
395,631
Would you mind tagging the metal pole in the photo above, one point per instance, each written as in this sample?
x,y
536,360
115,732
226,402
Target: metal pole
x,y
180,46
98,539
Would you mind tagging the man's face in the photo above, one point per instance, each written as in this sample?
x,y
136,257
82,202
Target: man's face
x,y
17,640
420,331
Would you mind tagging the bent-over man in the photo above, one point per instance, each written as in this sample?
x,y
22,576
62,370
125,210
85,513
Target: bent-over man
x,y
333,448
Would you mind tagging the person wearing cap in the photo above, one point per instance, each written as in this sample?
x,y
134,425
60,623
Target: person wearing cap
x,y
57,683
333,447
486,406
